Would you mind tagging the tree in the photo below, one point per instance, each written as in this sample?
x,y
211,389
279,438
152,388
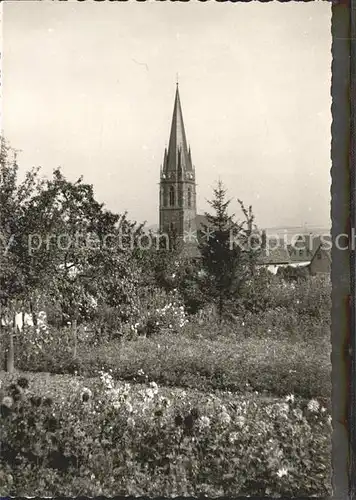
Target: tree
x,y
61,247
86,251
14,278
229,251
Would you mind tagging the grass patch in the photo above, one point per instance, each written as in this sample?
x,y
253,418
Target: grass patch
x,y
269,366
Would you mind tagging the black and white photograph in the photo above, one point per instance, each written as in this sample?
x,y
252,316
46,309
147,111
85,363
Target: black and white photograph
x,y
165,263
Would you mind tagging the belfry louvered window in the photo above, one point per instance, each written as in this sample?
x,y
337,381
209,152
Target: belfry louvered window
x,y
171,196
189,197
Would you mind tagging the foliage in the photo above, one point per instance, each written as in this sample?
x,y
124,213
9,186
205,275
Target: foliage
x,y
70,246
159,312
290,273
175,271
66,250
18,285
16,279
128,440
203,360
307,299
228,251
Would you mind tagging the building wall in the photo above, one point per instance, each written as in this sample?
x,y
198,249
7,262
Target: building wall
x,y
321,263
181,216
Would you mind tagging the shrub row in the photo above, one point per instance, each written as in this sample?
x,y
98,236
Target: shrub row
x,y
264,365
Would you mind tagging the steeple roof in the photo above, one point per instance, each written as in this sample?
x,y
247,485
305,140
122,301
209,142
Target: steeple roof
x,y
178,155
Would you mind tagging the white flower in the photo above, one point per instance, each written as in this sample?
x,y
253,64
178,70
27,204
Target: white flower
x,y
298,413
224,418
290,398
233,437
7,401
149,393
130,422
313,405
128,407
154,387
282,472
240,421
204,422
283,407
116,405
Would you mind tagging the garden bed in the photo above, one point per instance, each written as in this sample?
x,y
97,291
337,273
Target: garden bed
x,y
73,436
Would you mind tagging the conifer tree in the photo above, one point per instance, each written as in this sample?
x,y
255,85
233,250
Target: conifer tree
x,y
228,257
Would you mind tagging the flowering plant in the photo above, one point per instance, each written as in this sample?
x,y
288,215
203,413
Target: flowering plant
x,y
107,438
157,312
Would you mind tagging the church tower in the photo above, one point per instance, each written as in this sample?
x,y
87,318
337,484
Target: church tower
x,y
177,206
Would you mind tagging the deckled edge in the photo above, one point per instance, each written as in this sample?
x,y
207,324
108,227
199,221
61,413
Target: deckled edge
x,y
340,267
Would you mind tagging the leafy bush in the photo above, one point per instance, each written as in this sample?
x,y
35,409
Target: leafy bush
x,y
290,273
156,311
39,347
266,292
129,440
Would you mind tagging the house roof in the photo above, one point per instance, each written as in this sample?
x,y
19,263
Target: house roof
x,y
305,247
279,252
277,255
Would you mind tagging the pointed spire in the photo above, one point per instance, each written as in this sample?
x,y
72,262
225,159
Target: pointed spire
x,y
178,139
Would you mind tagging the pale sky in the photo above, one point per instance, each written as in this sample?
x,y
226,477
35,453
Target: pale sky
x,y
89,86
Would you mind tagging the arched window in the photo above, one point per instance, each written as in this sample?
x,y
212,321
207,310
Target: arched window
x,y
189,197
171,196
